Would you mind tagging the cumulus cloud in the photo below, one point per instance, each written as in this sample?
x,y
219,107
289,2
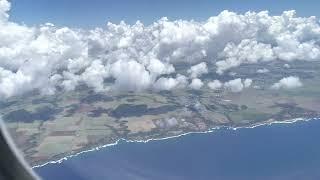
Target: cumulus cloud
x,y
290,82
169,83
4,8
264,70
156,67
237,85
247,83
140,57
284,37
215,84
197,70
234,85
95,74
286,66
130,76
196,84
247,51
165,83
37,57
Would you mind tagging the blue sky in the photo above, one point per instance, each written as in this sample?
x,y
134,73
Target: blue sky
x,y
92,13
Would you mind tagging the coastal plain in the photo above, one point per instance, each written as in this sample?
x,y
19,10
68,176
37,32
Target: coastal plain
x,y
47,127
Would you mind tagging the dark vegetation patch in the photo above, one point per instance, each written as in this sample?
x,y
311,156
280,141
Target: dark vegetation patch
x,y
62,133
6,104
194,92
291,110
165,93
128,110
131,100
72,109
230,107
244,107
119,97
109,80
98,112
42,113
41,100
211,107
95,98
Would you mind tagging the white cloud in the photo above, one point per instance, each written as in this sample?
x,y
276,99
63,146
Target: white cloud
x,y
247,83
130,76
169,83
11,83
182,81
215,84
262,71
4,8
69,80
33,57
234,85
45,57
95,74
157,67
196,84
165,83
248,51
286,66
237,85
290,82
197,70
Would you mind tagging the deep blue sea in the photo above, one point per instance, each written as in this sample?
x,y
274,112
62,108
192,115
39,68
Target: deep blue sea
x,y
278,151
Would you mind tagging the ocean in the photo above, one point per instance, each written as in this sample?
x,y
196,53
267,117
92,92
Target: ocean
x,y
279,151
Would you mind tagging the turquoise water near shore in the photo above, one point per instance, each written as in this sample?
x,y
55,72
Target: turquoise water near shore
x,y
277,151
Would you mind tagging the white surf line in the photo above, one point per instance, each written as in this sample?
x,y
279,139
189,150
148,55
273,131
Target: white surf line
x,y
170,137
121,139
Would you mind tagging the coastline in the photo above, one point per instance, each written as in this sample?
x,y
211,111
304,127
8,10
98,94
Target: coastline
x,y
265,123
